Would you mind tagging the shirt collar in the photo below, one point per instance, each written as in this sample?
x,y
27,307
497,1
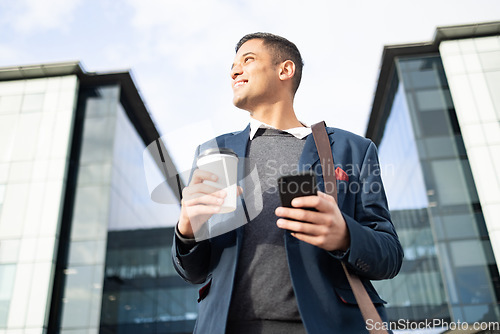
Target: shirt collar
x,y
299,132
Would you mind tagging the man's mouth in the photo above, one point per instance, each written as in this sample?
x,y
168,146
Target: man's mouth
x,y
239,83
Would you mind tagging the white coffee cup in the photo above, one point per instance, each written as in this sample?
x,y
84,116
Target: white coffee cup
x,y
222,162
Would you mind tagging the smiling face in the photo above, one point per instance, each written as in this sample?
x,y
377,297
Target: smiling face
x,y
255,76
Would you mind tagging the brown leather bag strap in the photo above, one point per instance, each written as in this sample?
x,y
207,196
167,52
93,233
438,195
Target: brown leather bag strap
x,y
368,310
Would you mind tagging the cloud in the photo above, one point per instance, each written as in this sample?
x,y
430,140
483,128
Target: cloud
x,y
8,53
29,16
189,34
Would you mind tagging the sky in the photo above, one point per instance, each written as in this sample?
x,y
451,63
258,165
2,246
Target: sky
x,y
180,52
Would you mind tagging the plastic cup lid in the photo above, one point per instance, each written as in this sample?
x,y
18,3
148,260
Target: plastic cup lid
x,y
222,150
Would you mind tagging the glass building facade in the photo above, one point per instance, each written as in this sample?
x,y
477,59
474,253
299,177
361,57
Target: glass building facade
x,y
36,120
450,271
83,248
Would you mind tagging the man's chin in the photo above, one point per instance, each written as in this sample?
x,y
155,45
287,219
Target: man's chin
x,y
240,104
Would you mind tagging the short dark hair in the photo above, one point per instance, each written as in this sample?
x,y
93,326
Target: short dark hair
x,y
281,50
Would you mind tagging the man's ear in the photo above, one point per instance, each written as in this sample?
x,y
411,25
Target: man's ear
x,y
287,70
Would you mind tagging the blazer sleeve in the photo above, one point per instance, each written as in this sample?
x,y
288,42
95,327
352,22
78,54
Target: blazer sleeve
x,y
191,259
375,251
191,265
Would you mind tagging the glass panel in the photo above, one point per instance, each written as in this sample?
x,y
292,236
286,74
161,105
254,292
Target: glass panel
x,y
61,136
32,102
473,287
10,104
39,292
467,253
46,136
90,213
12,218
136,307
96,107
25,142
493,81
2,193
423,79
50,101
411,64
12,87
164,257
460,226
8,130
481,314
7,277
451,187
68,83
20,295
438,228
28,250
96,140
440,147
490,60
9,250
93,174
35,85
20,172
50,216
37,202
87,252
77,297
434,123
45,249
4,172
66,102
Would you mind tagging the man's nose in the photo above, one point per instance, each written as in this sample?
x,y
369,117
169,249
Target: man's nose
x,y
235,71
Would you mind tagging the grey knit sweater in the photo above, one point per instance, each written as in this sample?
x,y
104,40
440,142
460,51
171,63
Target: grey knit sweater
x,y
263,288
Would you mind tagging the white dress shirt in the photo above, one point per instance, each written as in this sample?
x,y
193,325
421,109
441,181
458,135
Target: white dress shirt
x,y
299,132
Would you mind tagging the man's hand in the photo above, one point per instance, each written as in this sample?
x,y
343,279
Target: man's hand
x,y
325,228
199,202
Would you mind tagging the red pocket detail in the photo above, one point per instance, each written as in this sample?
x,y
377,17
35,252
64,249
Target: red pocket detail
x,y
341,175
203,292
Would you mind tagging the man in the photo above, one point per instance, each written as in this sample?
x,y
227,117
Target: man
x,y
281,272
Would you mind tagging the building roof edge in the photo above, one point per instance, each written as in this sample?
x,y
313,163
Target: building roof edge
x,y
130,97
390,52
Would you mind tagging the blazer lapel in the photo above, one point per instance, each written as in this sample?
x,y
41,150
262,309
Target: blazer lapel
x,y
238,142
309,159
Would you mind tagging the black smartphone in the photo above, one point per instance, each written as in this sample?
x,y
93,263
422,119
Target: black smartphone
x,y
296,185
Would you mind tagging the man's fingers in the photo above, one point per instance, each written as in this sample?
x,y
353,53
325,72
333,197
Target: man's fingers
x,y
200,175
204,199
199,210
299,214
321,202
202,188
299,227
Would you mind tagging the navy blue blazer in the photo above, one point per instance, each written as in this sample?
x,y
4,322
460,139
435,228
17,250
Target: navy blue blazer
x,y
324,297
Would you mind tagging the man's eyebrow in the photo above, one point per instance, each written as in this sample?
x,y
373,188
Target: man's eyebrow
x,y
248,53
244,55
